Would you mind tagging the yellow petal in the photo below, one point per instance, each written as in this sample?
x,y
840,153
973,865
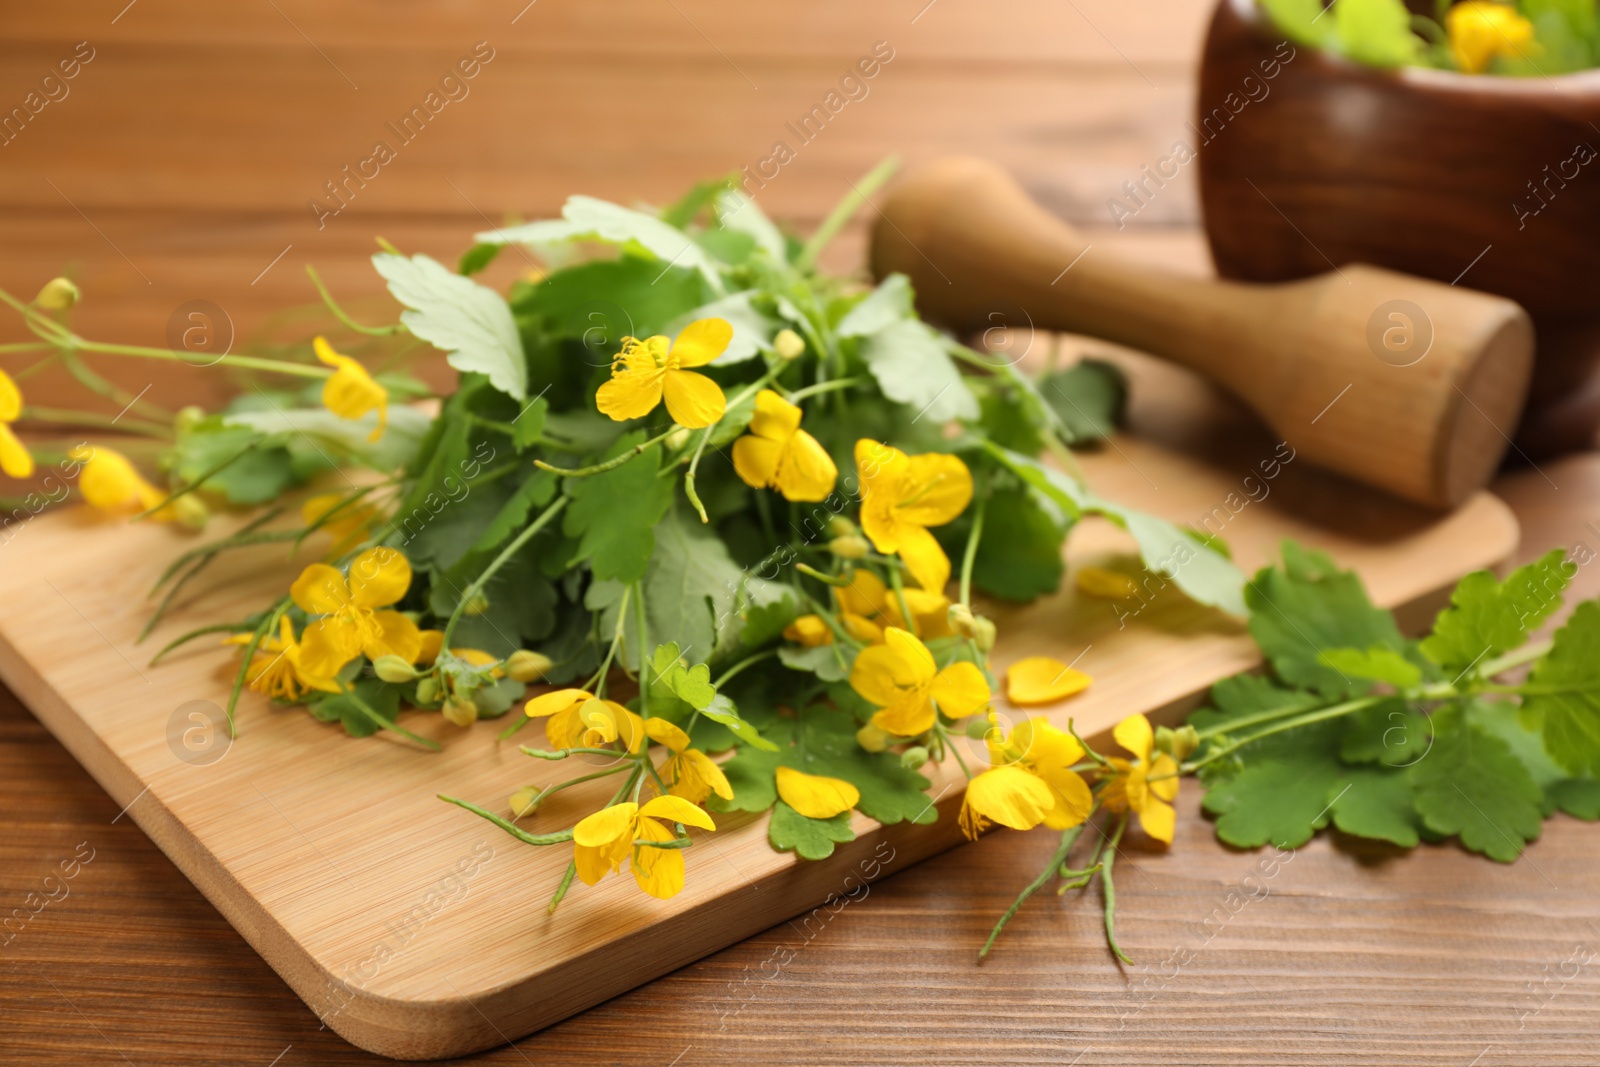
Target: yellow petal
x,y
379,577
328,644
664,732
867,596
861,628
960,690
554,702
396,635
593,863
1159,820
1105,584
1163,778
816,796
676,809
775,418
1135,735
756,460
15,459
806,472
693,400
906,717
1042,746
1040,680
11,400
320,590
941,489
701,773
702,341
1073,800
110,483
883,674
431,642
879,463
1009,796
923,557
635,386
606,825
350,392
659,871
810,631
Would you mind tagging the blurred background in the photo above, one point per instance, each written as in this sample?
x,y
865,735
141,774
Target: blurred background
x,y
190,159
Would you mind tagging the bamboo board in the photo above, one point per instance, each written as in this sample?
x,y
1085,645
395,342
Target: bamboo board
x,y
414,929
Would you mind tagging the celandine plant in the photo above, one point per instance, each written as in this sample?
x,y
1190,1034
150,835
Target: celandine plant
x,y
789,627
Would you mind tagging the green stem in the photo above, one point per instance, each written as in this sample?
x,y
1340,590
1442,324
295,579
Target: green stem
x,y
88,418
748,661
1270,715
644,658
539,798
561,890
971,554
1109,888
277,366
1516,658
1305,720
694,470
338,312
1069,837
93,382
510,550
827,387
900,596
611,464
563,753
509,827
26,346
844,211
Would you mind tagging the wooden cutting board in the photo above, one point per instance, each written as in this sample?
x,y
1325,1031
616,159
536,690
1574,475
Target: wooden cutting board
x,y
417,930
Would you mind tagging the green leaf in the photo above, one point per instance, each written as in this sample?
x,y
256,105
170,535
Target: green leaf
x,y
692,586
889,303
1578,797
529,424
476,258
1563,699
738,213
1088,399
1488,617
722,710
691,684
585,218
1388,732
470,323
1471,784
1019,554
1377,664
830,663
1376,32
810,839
380,697
765,622
1308,605
603,301
342,439
1379,803
1301,21
614,513
536,491
1283,795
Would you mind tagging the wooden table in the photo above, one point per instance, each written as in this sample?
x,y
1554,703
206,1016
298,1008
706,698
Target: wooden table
x,y
179,167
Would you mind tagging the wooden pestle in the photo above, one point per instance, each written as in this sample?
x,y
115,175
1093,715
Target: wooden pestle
x,y
1399,382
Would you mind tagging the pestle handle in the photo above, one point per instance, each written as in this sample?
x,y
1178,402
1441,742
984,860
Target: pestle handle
x,y
1399,382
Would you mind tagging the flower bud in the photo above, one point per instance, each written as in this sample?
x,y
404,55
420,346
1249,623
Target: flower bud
x,y
850,546
523,802
873,739
1179,743
961,619
476,604
427,690
788,344
913,757
678,438
839,526
460,712
394,669
188,418
58,294
979,728
525,666
191,511
983,633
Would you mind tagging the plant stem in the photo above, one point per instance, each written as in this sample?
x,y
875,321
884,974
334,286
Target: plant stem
x,y
611,464
971,554
277,366
748,661
640,623
842,213
90,418
510,550
1332,712
827,387
1069,837
1517,657
338,312
1109,888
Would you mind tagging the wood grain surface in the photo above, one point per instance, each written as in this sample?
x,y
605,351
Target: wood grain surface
x,y
180,167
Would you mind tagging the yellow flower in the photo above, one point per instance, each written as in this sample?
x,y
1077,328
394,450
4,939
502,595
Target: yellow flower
x,y
1145,787
351,623
904,495
578,719
690,773
15,459
777,453
351,392
348,525
603,840
645,371
1105,584
1481,30
1030,781
867,606
1040,680
275,669
109,483
816,796
901,678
